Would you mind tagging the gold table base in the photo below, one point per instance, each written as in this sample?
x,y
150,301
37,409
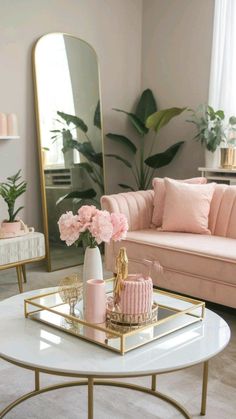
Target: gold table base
x,y
91,381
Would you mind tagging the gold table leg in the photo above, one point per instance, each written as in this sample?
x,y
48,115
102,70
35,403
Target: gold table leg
x,y
19,277
90,398
24,273
204,387
37,380
154,382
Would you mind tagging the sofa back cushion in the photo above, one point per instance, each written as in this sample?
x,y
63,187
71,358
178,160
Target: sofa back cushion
x,y
187,207
160,194
222,216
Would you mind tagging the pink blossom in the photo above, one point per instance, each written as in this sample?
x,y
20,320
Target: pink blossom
x,y
101,227
86,212
69,228
120,226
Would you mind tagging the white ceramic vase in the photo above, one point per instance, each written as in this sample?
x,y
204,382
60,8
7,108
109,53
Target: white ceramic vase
x,y
92,267
212,160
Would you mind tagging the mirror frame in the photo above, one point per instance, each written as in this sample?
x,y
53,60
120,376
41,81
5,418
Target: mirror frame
x,y
39,137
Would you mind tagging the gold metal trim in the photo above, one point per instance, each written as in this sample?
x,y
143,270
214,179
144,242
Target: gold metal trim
x,y
195,304
38,130
22,262
90,382
204,387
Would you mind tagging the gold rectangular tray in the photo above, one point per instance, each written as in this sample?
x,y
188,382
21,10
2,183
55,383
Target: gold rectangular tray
x,y
175,312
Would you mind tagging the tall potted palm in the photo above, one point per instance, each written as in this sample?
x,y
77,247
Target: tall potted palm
x,y
146,117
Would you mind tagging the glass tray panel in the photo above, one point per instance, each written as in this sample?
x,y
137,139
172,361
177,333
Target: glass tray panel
x,y
174,313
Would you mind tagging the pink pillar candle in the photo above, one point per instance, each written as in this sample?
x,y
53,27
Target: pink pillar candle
x,y
95,305
3,125
12,125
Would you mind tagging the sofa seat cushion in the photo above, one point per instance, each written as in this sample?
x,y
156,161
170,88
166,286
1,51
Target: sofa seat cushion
x,y
209,257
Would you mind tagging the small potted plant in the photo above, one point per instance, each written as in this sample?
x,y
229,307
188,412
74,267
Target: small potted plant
x,y
10,191
210,132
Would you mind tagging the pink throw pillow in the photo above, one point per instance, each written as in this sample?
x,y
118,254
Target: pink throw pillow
x,y
187,207
160,193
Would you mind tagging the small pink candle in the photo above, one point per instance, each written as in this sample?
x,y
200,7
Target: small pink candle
x,y
12,126
3,124
95,307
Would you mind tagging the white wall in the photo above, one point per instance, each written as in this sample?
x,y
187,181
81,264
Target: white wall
x,y
112,27
176,53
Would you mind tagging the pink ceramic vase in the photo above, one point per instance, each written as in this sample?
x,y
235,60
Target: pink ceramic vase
x,y
13,227
95,307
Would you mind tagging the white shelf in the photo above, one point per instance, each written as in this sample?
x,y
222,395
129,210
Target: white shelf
x,y
9,137
216,170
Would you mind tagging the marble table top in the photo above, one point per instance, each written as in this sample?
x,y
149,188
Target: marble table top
x,y
33,344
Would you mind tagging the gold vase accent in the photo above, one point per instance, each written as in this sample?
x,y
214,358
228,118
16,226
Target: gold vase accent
x,y
122,273
228,158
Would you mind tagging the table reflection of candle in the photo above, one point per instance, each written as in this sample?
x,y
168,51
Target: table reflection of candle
x,y
3,124
94,334
12,126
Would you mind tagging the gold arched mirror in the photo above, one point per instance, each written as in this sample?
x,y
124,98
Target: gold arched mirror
x,y
68,109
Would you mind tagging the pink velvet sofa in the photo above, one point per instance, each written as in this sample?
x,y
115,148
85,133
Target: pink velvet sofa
x,y
203,266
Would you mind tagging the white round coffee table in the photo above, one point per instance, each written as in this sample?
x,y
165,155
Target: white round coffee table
x,y
41,348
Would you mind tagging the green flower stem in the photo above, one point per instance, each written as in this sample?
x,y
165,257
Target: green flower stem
x,y
136,175
150,177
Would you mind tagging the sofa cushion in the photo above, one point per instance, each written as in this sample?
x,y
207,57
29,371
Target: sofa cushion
x,y
160,193
222,217
209,257
187,207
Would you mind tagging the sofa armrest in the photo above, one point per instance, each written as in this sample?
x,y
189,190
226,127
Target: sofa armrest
x,y
137,206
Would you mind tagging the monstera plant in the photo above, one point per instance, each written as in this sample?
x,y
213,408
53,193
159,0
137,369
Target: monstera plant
x,y
145,118
81,142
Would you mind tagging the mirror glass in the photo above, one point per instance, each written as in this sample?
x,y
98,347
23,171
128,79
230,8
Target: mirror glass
x,y
70,135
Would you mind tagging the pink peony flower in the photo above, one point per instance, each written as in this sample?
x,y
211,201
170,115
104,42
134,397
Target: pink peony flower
x,y
120,226
69,228
101,227
86,212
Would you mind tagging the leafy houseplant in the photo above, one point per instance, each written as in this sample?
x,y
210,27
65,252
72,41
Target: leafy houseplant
x,y
210,126
144,118
10,191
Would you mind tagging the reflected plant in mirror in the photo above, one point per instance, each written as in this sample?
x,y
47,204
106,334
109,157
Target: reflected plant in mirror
x,y
74,134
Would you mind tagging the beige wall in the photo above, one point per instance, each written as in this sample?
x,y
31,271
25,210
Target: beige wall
x,y
176,53
175,36
112,27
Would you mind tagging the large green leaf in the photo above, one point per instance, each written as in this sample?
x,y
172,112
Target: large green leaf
x,y
97,116
146,106
86,166
139,125
126,162
161,118
78,122
123,140
124,186
87,150
163,159
86,194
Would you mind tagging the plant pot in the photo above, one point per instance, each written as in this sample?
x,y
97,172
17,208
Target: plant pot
x,y
212,160
228,158
11,227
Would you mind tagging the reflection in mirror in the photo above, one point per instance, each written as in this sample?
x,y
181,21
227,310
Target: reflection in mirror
x,y
70,135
